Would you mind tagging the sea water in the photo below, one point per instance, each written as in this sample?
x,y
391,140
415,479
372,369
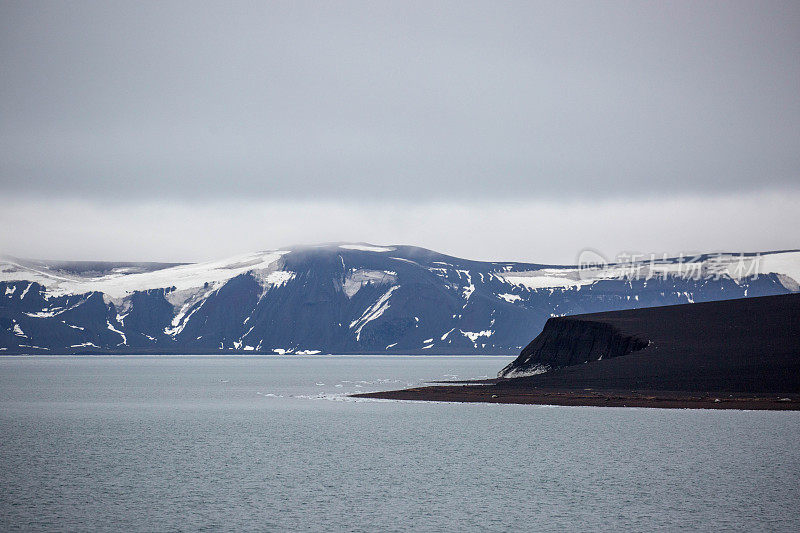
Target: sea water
x,y
169,443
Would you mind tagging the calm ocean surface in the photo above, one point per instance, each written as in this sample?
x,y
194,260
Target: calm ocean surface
x,y
271,444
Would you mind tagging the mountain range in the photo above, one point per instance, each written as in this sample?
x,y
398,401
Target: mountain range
x,y
346,298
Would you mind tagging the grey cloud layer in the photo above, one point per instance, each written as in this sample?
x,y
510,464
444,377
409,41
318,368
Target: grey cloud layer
x,y
375,100
530,230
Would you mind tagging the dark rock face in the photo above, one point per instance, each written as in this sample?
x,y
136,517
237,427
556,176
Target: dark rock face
x,y
566,341
749,345
334,299
149,314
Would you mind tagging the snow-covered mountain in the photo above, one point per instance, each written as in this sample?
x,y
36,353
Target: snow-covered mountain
x,y
345,298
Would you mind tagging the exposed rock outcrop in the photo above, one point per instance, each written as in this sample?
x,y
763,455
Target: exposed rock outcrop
x,y
732,354
566,341
749,345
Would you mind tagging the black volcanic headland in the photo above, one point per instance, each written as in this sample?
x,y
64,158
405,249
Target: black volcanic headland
x,y
741,354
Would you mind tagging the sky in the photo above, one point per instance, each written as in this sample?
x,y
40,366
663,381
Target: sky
x,y
184,131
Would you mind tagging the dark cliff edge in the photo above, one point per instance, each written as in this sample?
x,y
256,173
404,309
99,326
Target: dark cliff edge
x,y
738,354
567,341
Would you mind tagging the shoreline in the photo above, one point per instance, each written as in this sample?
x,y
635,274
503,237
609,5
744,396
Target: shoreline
x,y
480,393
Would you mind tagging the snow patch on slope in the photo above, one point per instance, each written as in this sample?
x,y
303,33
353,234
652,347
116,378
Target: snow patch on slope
x,y
366,248
373,312
118,284
358,277
21,296
475,335
787,264
191,305
115,330
470,288
544,278
273,279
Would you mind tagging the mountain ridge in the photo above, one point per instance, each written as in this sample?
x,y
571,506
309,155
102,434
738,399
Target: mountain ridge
x,y
345,298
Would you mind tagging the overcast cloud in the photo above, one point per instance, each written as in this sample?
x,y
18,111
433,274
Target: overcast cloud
x,y
396,107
